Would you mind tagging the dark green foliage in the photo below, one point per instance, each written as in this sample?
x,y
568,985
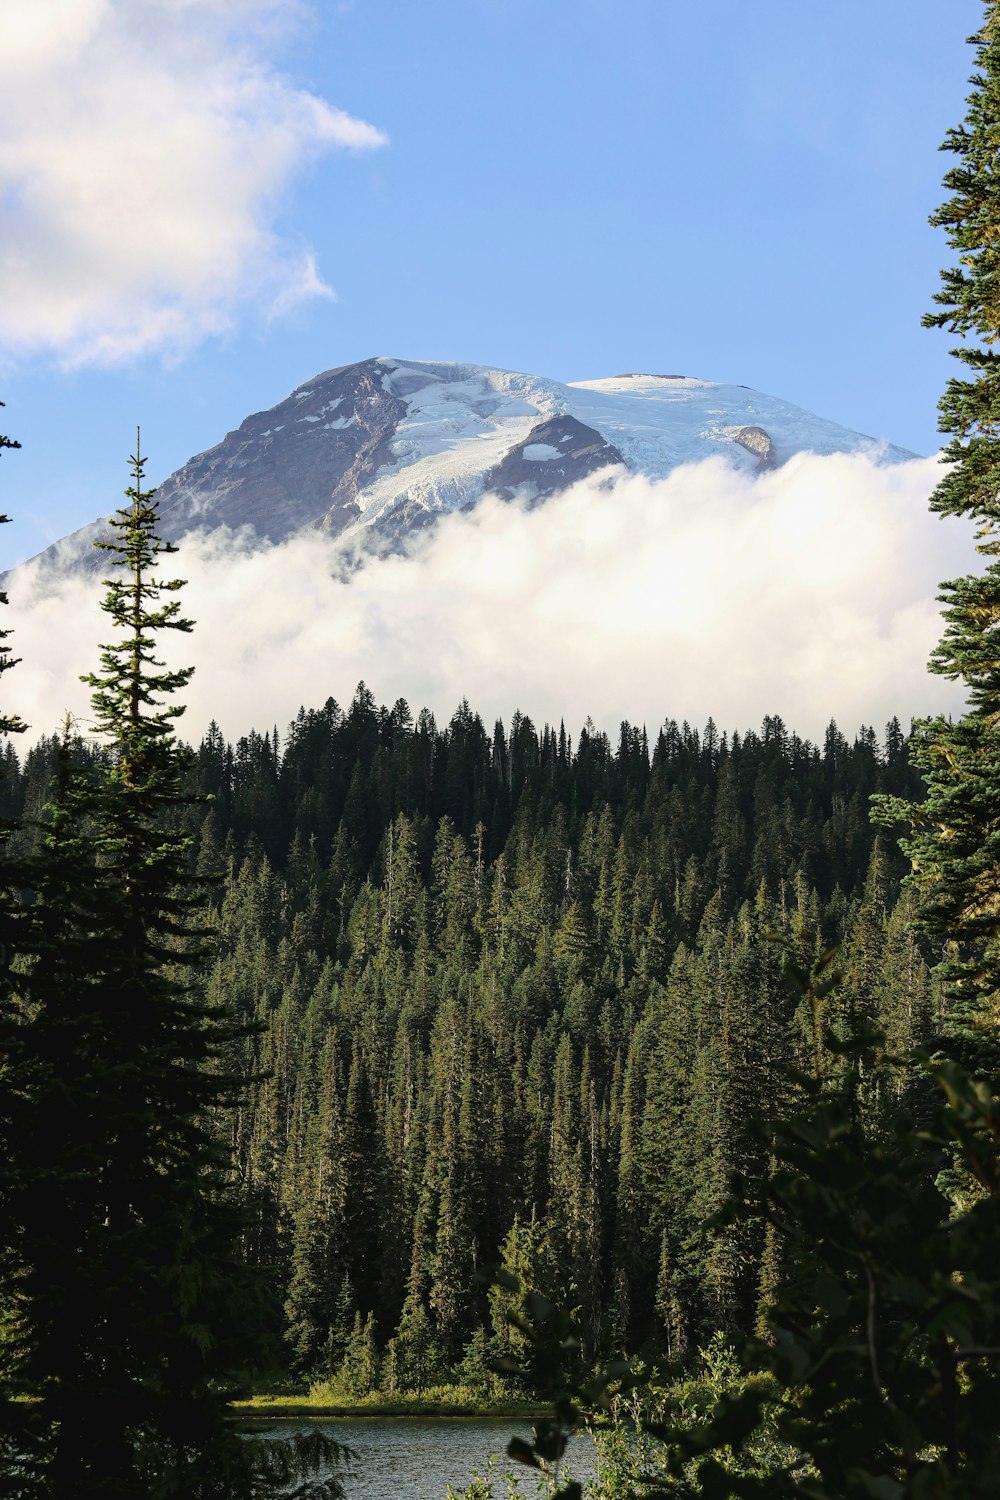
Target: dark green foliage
x,y
547,1054
15,1433
883,1338
504,998
9,723
878,1370
550,1364
955,838
129,1305
967,297
360,1363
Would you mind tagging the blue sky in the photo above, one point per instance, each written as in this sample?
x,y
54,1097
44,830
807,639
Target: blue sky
x,y
571,187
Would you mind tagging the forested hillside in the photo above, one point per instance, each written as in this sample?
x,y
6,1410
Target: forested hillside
x,y
518,999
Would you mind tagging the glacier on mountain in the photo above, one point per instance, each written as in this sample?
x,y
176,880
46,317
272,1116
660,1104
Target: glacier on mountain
x,y
376,451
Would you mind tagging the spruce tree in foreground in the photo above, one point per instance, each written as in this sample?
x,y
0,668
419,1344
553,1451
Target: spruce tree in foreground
x,y
9,723
11,926
131,1305
955,841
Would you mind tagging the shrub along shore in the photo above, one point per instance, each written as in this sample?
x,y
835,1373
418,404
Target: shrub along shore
x,y
325,1399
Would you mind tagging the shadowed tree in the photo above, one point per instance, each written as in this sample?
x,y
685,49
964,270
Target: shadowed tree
x,y
954,845
131,1305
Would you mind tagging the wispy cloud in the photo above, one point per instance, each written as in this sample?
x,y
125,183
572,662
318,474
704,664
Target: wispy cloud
x,y
808,592
146,145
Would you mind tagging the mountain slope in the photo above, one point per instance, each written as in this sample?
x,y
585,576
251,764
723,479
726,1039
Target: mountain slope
x,y
377,450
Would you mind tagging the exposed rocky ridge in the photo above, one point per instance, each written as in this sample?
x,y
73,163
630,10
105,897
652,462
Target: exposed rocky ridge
x,y
575,451
337,434
371,453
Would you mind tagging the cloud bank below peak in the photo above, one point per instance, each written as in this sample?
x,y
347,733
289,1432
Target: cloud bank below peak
x,y
139,201
808,592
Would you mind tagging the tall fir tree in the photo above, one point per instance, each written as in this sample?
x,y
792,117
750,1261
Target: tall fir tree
x,y
130,1304
9,723
12,1431
955,841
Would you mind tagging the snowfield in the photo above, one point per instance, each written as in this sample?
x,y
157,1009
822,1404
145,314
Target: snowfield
x,y
461,420
376,450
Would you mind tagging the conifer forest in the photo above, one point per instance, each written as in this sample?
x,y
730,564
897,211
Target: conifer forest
x,y
515,1000
649,1080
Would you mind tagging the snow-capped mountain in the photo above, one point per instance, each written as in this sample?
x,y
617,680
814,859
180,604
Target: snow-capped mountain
x,y
377,450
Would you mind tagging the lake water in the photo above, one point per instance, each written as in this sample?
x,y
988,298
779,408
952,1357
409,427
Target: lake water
x,y
412,1458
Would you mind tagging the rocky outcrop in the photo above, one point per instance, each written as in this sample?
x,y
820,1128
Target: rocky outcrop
x,y
554,455
755,440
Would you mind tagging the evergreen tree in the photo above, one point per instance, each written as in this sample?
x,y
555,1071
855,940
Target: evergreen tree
x,y
131,1306
14,1438
955,839
9,723
359,1371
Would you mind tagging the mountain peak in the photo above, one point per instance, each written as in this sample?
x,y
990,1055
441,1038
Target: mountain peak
x,y
382,447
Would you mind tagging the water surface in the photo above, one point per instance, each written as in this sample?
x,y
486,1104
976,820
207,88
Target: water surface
x,y
418,1457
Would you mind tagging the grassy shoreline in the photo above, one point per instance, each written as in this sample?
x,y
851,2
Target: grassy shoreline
x,y
439,1402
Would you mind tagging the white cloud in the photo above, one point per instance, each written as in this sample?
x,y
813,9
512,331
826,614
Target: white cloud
x,y
146,143
808,592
